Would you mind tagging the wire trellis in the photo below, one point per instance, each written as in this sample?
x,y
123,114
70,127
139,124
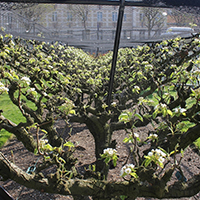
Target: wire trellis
x,y
121,3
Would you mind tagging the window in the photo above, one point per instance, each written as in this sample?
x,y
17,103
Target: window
x,y
100,35
113,34
9,18
54,17
69,16
142,34
141,17
99,17
125,17
86,34
114,16
69,34
125,37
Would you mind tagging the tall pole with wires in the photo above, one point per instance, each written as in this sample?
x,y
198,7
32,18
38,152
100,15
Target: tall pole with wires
x,y
115,51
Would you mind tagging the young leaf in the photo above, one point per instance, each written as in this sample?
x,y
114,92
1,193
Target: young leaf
x,y
139,116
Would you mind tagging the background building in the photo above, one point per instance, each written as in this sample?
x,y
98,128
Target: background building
x,y
91,27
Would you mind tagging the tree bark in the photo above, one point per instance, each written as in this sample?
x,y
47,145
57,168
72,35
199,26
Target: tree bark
x,y
102,136
21,133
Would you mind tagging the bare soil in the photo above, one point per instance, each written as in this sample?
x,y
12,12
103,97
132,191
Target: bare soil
x,y
190,165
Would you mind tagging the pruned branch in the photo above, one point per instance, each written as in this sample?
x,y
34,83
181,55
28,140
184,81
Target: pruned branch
x,y
21,133
98,188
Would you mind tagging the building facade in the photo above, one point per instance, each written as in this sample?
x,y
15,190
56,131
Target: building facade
x,y
79,23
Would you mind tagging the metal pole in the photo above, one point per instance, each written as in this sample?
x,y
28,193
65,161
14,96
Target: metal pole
x,y
115,50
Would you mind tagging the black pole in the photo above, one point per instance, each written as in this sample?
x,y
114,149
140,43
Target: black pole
x,y
115,50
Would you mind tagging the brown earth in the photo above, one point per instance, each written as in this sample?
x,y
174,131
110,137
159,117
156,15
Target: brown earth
x,y
190,164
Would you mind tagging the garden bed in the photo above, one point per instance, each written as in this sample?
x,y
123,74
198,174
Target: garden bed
x,y
85,154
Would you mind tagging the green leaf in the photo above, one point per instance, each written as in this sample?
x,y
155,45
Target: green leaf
x,y
73,112
139,116
147,161
169,112
48,147
163,150
182,152
124,117
107,160
61,159
123,197
69,144
164,112
44,131
71,175
3,54
93,168
31,60
155,114
134,175
35,151
47,157
114,162
125,140
161,164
